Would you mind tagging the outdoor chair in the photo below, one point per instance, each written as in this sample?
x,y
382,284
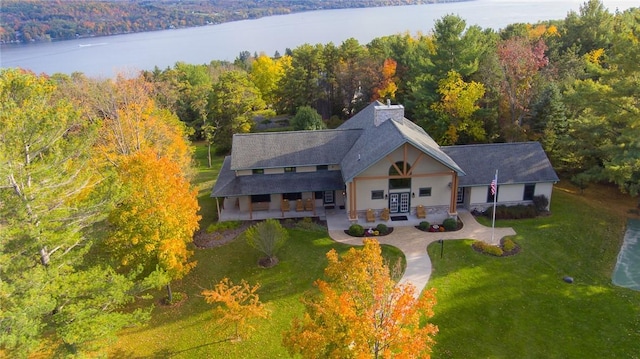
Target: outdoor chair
x,y
421,212
371,217
299,205
308,205
286,206
384,215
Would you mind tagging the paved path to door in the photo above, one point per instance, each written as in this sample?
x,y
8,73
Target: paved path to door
x,y
413,243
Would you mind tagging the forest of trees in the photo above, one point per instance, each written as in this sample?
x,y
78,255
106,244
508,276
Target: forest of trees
x,y
571,84
43,20
85,230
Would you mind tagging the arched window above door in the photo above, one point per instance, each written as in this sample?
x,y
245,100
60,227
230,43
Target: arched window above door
x,y
396,172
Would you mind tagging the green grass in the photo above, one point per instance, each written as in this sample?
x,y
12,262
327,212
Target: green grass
x,y
188,331
203,183
519,307
513,307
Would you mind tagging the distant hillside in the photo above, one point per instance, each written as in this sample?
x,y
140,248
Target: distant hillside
x,y
41,20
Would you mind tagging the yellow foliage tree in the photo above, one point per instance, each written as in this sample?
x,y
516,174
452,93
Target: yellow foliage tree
x,y
362,313
238,304
157,219
459,101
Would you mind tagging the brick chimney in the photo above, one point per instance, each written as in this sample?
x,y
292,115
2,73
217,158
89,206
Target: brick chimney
x,y
388,111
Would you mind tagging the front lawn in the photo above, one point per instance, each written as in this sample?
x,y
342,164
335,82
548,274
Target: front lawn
x,y
187,330
519,307
488,307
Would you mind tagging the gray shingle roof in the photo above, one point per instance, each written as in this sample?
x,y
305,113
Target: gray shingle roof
x,y
375,142
229,185
359,144
520,162
291,149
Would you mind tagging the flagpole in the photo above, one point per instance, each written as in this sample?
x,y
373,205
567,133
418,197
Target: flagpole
x,y
495,199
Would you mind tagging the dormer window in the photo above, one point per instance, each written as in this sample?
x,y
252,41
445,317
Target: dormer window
x,y
322,168
258,171
289,169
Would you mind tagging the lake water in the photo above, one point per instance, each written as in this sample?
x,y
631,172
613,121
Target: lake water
x,y
105,56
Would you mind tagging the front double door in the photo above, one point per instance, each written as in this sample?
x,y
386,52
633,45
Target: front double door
x,y
399,202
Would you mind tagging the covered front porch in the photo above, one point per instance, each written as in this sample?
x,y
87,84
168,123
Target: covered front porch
x,y
336,217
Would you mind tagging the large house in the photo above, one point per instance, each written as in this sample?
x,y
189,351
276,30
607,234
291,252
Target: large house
x,y
378,163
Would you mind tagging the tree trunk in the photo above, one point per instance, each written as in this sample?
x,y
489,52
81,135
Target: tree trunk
x,y
209,153
169,294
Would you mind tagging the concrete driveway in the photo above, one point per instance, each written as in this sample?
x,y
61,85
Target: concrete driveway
x,y
413,243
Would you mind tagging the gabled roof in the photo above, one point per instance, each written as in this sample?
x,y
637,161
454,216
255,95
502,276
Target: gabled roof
x,y
376,142
291,149
519,162
229,185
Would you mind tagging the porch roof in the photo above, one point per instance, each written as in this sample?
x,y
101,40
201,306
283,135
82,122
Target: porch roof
x,y
230,185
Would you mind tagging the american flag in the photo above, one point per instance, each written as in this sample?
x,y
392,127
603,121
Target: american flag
x,y
494,184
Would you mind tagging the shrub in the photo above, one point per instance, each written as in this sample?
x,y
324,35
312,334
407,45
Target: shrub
x,y
267,237
382,228
488,249
513,212
494,251
222,226
308,224
508,245
424,225
356,230
450,224
540,202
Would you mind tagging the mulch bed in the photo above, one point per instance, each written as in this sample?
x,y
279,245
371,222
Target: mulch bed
x,y
204,240
389,231
459,227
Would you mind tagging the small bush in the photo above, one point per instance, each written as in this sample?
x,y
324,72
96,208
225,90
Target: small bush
x,y
540,202
487,248
356,230
424,225
382,228
308,224
223,226
513,212
508,245
494,251
450,224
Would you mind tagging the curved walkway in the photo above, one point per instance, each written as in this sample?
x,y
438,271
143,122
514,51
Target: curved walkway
x,y
413,243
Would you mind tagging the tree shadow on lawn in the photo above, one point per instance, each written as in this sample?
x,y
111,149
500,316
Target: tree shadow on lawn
x,y
520,307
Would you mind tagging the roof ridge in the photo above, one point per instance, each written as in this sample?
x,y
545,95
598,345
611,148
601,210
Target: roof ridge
x,y
492,144
296,132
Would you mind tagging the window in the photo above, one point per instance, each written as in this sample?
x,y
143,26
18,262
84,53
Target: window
x,y
292,196
328,196
318,194
460,195
425,192
289,169
322,168
377,194
397,183
529,191
255,198
258,171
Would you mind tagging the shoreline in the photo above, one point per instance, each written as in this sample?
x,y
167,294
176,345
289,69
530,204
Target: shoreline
x,y
81,37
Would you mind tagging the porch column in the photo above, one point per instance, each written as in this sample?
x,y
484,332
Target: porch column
x,y
353,214
453,210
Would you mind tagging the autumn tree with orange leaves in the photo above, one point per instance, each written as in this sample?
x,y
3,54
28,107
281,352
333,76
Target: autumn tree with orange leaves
x,y
235,304
155,222
146,148
361,312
